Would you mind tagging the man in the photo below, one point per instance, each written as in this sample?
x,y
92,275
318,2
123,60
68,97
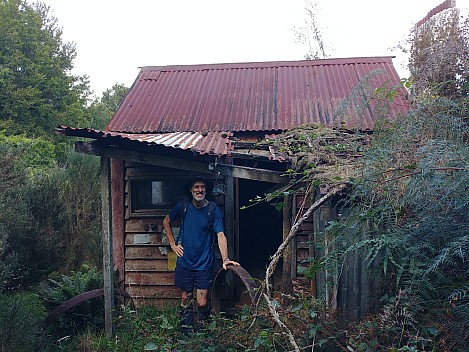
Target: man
x,y
200,220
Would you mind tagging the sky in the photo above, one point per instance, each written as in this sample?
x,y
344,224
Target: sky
x,y
114,38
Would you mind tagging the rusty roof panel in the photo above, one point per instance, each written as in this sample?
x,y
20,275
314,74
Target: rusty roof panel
x,y
213,143
268,96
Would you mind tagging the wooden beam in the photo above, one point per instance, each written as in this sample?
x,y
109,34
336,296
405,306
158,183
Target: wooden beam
x,y
230,235
118,235
251,173
140,157
107,245
182,164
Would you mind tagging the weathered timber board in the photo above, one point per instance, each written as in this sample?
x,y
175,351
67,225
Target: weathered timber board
x,y
143,252
146,265
137,238
144,225
160,292
145,278
302,254
306,226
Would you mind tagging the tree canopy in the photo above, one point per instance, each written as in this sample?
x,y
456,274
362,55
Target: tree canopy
x,y
37,88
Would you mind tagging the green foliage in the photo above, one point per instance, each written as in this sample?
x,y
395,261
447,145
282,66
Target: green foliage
x,y
80,193
100,111
147,327
50,215
59,288
409,212
37,90
21,317
36,153
439,56
10,269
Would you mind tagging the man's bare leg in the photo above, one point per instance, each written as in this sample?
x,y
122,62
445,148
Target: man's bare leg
x,y
186,313
203,305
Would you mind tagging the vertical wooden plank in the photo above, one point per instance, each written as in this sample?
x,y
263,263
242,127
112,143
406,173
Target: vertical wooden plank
x,y
231,233
287,254
229,217
293,259
118,235
107,245
236,216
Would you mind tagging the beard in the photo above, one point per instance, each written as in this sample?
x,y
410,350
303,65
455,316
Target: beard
x,y
198,196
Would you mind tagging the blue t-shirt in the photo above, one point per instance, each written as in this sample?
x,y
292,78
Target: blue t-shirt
x,y
196,235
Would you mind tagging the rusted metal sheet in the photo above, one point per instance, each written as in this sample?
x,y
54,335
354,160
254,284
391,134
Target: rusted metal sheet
x,y
252,285
266,96
213,143
445,5
72,302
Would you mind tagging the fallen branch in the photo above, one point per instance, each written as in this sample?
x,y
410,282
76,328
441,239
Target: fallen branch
x,y
273,263
276,257
276,317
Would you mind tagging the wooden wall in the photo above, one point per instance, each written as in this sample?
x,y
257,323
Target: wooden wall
x,y
349,289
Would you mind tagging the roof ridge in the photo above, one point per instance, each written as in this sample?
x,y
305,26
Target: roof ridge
x,y
267,64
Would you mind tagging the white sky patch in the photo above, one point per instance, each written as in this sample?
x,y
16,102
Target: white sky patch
x,y
115,37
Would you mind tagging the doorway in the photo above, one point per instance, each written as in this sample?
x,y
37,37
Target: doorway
x,y
260,230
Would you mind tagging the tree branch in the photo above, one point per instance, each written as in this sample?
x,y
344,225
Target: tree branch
x,y
278,254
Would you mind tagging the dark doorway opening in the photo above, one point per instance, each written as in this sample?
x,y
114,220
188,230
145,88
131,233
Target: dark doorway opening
x,y
260,230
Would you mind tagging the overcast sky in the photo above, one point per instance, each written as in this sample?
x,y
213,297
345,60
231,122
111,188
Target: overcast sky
x,y
115,37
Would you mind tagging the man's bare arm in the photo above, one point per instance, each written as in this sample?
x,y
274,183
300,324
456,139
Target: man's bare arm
x,y
177,248
223,246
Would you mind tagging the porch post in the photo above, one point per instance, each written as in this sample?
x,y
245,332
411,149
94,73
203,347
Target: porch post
x,y
231,233
107,244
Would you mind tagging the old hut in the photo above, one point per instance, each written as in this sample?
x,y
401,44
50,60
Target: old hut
x,y
177,121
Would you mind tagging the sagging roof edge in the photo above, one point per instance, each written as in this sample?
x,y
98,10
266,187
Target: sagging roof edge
x,y
217,144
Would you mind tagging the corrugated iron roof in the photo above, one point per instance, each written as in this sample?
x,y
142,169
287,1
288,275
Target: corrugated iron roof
x,y
266,96
213,143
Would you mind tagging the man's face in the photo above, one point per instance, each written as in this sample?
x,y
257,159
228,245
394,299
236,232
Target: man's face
x,y
198,191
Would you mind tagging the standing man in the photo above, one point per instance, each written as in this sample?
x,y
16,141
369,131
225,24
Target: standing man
x,y
200,221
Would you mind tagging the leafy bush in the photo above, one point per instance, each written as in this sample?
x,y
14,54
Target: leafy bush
x,y
10,269
21,318
409,213
60,288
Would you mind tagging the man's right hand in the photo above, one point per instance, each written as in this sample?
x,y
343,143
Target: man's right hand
x,y
178,249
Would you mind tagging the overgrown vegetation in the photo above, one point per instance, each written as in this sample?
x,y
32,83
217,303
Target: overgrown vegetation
x,y
49,196
407,210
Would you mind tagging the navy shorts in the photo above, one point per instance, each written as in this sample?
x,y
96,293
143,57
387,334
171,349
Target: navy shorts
x,y
187,279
